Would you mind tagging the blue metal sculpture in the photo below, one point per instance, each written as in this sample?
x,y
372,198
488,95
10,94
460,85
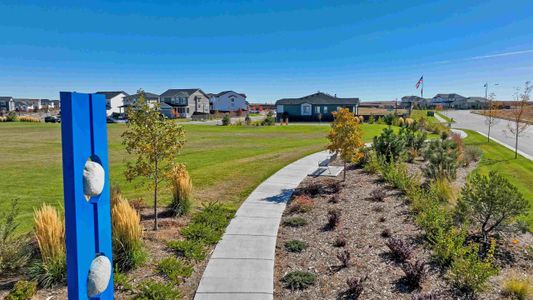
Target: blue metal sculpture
x,y
87,212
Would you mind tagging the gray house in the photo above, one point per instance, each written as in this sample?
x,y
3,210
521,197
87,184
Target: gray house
x,y
447,100
7,104
184,103
318,106
150,98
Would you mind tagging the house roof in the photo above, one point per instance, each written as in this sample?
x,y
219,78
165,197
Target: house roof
x,y
225,92
448,96
319,98
5,98
147,95
186,92
111,94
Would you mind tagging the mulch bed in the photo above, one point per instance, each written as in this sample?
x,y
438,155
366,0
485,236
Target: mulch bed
x,y
362,224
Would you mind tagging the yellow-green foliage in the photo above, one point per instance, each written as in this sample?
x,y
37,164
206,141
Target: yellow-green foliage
x,y
126,222
516,288
444,190
345,136
181,189
401,121
408,121
50,233
23,290
29,119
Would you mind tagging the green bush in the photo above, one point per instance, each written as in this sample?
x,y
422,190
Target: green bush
x,y
23,290
151,290
201,233
294,222
50,273
472,153
121,281
389,145
398,176
469,272
174,269
490,202
443,190
414,139
15,251
371,119
269,120
298,280
189,249
442,157
226,120
12,117
295,246
208,225
371,163
248,120
390,119
433,219
448,244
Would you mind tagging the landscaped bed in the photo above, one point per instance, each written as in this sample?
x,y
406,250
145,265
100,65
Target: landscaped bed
x,y
369,213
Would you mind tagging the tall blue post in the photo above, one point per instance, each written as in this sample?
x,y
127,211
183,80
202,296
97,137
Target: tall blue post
x,y
87,220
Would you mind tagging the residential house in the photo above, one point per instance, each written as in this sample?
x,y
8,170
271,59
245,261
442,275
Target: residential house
x,y
315,107
184,103
24,104
7,104
57,104
228,101
470,103
415,102
48,104
114,100
150,98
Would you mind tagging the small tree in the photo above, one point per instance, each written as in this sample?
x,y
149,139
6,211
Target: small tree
x,y
490,115
517,125
389,145
490,202
345,137
156,143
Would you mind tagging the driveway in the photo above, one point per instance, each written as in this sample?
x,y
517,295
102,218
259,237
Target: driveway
x,y
467,120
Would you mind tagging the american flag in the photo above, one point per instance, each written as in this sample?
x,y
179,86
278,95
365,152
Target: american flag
x,y
420,81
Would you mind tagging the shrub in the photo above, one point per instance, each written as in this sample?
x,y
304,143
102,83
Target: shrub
x,y
298,280
398,176
414,273
389,119
334,219
355,287
372,164
472,153
14,250
181,190
490,202
301,204
215,215
121,281
11,117
295,246
371,119
414,139
340,241
345,258
226,120
378,195
174,269
443,190
399,250
50,234
151,290
201,233
515,288
294,222
389,145
448,244
29,119
269,120
432,217
469,272
189,249
23,290
128,252
247,120
459,145
442,157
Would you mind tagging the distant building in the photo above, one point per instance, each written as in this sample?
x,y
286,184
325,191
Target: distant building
x,y
260,107
184,103
150,98
48,104
24,104
7,104
416,102
315,107
228,101
114,100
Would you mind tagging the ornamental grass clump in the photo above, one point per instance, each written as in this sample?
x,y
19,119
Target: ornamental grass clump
x,y
49,231
128,252
15,251
517,288
181,190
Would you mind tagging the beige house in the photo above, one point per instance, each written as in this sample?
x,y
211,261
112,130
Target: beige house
x,y
184,103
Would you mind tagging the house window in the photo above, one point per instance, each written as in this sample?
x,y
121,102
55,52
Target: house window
x,y
317,109
188,110
279,109
325,109
306,109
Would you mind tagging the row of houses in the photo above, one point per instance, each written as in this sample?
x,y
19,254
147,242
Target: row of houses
x,y
179,103
8,104
454,101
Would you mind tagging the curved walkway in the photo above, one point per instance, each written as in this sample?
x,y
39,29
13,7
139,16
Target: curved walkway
x,y
242,265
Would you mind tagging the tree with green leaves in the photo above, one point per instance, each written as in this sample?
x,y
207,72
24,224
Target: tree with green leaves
x,y
345,137
490,202
155,141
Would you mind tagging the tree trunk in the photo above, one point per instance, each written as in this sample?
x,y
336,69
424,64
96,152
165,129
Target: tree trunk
x,y
488,135
155,197
516,145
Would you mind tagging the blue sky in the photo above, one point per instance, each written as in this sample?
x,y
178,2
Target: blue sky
x,y
374,50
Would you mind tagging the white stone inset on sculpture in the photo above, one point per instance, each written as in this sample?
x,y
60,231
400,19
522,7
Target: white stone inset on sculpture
x,y
99,275
93,179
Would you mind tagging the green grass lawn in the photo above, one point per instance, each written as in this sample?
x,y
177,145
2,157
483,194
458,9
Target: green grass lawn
x,y
418,113
449,120
496,157
226,163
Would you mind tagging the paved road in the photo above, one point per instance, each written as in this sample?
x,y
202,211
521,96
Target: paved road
x,y
242,265
500,131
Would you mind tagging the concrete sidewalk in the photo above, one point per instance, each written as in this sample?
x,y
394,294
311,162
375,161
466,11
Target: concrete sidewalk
x,y
242,265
